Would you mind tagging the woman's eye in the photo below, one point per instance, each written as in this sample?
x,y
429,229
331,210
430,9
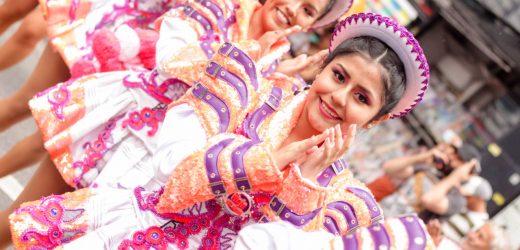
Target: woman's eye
x,y
362,98
339,76
308,11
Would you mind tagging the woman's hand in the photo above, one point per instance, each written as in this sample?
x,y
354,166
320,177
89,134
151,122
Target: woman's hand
x,y
295,65
335,146
295,151
270,38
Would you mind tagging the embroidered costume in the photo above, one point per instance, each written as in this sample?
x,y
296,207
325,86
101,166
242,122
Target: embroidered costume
x,y
98,36
219,170
111,118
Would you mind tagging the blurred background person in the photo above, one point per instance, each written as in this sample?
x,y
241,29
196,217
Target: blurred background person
x,y
489,236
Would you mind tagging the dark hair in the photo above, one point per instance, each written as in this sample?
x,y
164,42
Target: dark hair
x,y
394,78
327,9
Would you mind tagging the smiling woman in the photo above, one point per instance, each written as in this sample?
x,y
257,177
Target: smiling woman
x,y
286,13
361,83
283,14
89,151
251,162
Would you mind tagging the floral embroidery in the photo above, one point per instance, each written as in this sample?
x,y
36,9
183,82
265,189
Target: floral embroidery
x,y
148,202
153,237
148,83
57,96
192,221
93,152
51,214
150,117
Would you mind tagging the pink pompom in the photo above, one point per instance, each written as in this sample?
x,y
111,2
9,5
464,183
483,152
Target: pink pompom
x,y
82,67
105,45
148,39
111,65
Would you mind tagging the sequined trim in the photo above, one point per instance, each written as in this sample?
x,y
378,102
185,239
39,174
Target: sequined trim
x,y
196,178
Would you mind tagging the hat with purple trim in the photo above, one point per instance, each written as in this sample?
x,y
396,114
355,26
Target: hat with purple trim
x,y
400,40
339,8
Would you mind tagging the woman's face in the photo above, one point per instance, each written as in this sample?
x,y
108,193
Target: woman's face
x,y
283,14
348,91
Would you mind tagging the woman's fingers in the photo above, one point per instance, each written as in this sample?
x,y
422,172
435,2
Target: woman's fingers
x,y
279,34
274,36
334,146
313,141
328,149
318,57
298,64
269,38
349,137
338,138
294,151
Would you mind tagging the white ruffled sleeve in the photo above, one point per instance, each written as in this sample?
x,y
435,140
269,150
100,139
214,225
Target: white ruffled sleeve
x,y
282,235
174,34
181,135
404,232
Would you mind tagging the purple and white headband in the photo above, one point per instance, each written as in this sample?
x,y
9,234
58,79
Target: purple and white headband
x,y
401,41
339,8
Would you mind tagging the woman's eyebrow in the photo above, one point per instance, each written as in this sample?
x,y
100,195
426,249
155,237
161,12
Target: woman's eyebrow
x,y
313,7
345,72
366,90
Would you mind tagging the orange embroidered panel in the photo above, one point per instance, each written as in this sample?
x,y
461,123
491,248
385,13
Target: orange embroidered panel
x,y
50,221
59,107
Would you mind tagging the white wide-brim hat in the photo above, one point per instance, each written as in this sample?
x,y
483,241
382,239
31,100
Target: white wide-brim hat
x,y
400,40
339,8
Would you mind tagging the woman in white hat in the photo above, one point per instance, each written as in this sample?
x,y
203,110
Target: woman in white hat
x,y
91,122
241,149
